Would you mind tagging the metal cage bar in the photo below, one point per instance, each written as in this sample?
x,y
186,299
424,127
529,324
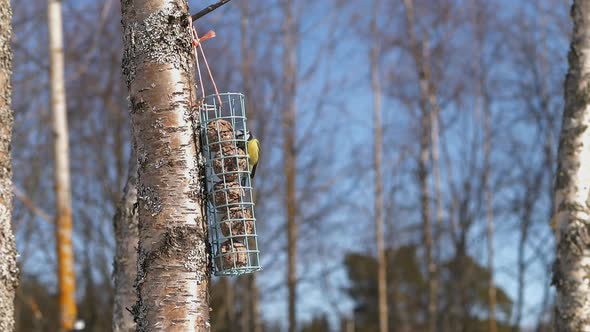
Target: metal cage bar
x,y
230,210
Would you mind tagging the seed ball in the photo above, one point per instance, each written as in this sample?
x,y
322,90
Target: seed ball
x,y
226,193
232,255
240,226
220,133
229,161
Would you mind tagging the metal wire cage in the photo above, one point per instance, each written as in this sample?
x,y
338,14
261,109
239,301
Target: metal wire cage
x,y
232,223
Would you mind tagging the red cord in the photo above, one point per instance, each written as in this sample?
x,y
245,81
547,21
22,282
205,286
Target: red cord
x,y
196,42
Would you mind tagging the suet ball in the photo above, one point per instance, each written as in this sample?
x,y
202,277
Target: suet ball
x,y
239,223
229,160
231,255
226,193
220,134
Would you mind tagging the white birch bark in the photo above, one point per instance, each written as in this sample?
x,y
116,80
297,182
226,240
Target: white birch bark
x,y
377,155
419,53
173,259
8,268
572,187
63,226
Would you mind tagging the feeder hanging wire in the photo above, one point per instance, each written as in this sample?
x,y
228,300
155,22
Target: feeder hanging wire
x,y
196,43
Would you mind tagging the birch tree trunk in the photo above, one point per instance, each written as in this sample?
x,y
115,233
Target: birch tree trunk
x,y
63,225
435,240
435,260
289,124
435,155
483,106
230,299
487,133
173,257
378,147
419,51
8,268
248,297
572,187
255,324
426,217
125,265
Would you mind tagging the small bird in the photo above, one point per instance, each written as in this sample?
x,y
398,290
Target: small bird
x,y
253,150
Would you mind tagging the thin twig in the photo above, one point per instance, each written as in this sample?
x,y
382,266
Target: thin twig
x,y
209,9
28,203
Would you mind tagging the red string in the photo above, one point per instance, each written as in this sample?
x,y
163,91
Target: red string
x,y
196,55
196,42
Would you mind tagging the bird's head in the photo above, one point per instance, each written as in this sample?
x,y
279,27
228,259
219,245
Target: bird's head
x,y
247,137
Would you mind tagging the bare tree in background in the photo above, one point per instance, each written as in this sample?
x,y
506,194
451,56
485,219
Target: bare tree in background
x,y
378,147
125,264
540,90
419,51
250,314
483,105
487,133
572,187
8,268
289,150
172,280
63,225
99,157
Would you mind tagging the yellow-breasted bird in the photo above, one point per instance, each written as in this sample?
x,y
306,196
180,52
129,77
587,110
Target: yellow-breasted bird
x,y
253,150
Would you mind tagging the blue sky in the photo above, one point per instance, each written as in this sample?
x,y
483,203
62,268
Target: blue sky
x,y
348,124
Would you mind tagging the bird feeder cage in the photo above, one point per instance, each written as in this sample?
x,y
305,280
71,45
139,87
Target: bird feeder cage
x,y
232,223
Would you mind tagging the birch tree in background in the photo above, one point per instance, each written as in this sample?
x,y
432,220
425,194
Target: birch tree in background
x,y
487,142
572,187
378,147
251,315
63,226
172,278
480,19
419,51
8,268
126,237
290,158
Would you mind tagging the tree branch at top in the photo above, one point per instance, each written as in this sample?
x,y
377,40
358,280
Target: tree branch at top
x,y
209,9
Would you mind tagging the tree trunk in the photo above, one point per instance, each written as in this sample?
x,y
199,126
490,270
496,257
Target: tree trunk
x,y
487,130
254,324
418,50
230,300
255,311
435,155
489,218
65,254
8,268
572,185
426,216
531,194
245,300
437,241
126,237
289,117
173,257
483,105
378,147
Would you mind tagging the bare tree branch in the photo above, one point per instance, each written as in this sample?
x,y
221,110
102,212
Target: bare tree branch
x,y
209,9
29,204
